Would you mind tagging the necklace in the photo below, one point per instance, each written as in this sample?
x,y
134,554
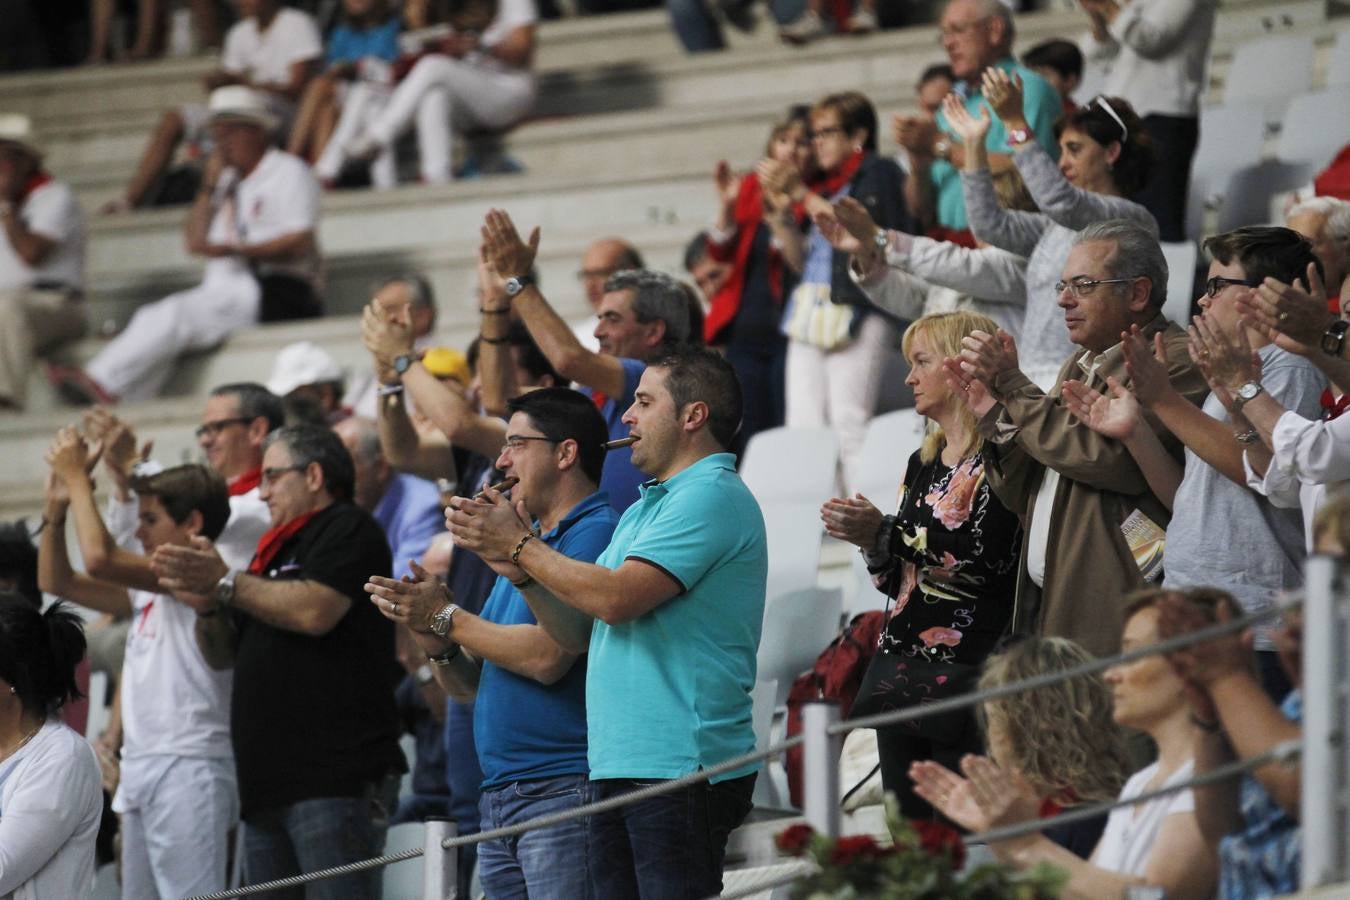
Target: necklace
x,y
23,743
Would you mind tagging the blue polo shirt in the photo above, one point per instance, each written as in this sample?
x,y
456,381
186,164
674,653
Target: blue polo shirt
x,y
620,479
525,730
411,514
348,44
669,693
1041,107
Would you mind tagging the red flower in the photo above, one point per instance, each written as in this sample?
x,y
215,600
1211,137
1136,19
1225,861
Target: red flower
x,y
794,839
937,839
851,849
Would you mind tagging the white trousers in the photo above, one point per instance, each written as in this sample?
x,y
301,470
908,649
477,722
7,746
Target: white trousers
x,y
361,102
138,362
442,94
838,388
176,830
32,321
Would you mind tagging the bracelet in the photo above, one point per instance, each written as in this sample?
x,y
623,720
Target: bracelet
x,y
490,340
388,390
505,311
1247,437
443,658
1206,727
515,554
528,582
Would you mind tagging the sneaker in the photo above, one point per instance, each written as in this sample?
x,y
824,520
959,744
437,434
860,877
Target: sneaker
x,y
739,13
805,28
864,21
77,388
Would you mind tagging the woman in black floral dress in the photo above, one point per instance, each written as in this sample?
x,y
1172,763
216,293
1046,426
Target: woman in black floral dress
x,y
947,558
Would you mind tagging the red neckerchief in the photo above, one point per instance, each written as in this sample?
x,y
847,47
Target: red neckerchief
x,y
1331,407
830,183
37,181
245,483
599,398
272,541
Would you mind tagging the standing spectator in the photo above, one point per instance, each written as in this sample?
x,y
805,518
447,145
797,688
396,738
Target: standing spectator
x,y
50,786
935,82
1060,63
313,721
1082,494
953,588
480,77
837,341
271,49
41,259
678,602
1156,52
236,420
149,30
255,220
601,259
977,35
759,236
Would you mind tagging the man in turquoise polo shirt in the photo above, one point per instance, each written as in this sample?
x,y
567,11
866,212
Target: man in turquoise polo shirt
x,y
677,601
976,34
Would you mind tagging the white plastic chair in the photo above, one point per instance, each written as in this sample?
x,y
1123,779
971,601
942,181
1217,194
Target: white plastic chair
x,y
797,626
403,880
99,710
1270,69
1315,128
794,533
1224,173
1338,69
1181,257
771,790
791,464
889,441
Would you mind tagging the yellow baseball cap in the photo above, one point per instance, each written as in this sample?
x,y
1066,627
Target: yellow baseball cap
x,y
447,362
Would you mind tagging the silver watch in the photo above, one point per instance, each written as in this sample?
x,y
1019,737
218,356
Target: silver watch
x,y
223,592
882,241
444,620
1246,394
516,284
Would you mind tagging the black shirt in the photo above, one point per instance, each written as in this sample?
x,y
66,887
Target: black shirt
x,y
314,716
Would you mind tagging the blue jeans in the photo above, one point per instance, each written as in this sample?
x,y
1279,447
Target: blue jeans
x,y
318,834
545,864
699,31
670,847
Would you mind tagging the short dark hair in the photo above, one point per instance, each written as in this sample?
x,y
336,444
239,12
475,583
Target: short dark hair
x,y
696,373
1265,251
419,289
696,313
39,652
255,402
316,444
696,251
182,489
563,414
19,560
1058,54
1131,169
656,295
934,72
529,356
855,112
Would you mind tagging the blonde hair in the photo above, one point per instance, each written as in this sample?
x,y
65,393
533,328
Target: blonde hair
x,y
944,332
1061,737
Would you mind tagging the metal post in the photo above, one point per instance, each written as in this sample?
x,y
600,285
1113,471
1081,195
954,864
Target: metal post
x,y
1325,822
439,878
820,766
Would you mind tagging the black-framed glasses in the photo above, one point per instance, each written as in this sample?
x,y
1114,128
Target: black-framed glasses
x,y
270,475
1218,283
1082,287
517,441
827,131
219,425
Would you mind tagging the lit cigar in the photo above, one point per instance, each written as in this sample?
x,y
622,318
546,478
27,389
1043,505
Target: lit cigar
x,y
505,484
621,442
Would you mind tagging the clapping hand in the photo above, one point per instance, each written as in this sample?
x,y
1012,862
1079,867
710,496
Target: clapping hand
x,y
1227,363
1147,370
69,456
186,571
840,239
412,600
490,528
949,794
917,134
505,252
779,177
385,338
971,129
853,519
1288,314
1003,92
727,184
1114,415
971,390
986,356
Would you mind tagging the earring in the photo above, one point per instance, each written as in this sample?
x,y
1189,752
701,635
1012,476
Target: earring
x,y
13,690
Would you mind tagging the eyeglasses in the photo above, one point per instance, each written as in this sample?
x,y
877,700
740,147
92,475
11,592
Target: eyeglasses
x,y
270,476
827,131
1218,283
517,441
219,425
959,29
1083,287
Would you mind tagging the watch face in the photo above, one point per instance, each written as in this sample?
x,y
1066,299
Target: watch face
x,y
1249,390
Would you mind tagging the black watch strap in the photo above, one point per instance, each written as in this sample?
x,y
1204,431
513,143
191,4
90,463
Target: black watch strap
x,y
1334,339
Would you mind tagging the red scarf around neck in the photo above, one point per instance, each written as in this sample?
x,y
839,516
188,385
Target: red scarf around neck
x,y
270,544
38,180
1331,407
829,183
245,483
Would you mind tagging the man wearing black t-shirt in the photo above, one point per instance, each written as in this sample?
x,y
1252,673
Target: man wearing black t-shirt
x,y
313,720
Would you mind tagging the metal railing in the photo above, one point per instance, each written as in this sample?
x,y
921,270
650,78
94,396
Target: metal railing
x,y
1325,799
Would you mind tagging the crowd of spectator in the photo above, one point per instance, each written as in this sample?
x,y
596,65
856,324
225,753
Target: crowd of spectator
x,y
535,554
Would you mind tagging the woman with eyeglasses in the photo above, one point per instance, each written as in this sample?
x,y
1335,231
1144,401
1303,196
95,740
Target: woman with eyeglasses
x,y
51,790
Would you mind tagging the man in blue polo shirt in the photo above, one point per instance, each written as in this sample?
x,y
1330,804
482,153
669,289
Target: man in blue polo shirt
x,y
678,600
642,314
530,714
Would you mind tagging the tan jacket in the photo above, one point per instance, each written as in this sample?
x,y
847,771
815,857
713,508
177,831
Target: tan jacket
x,y
1088,565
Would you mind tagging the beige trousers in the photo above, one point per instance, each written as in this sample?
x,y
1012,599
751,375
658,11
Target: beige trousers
x,y
32,321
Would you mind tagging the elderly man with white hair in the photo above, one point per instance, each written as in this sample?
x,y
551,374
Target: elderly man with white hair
x,y
41,258
1325,222
255,221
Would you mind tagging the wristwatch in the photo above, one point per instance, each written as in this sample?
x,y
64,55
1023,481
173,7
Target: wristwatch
x,y
1246,394
1334,339
1018,136
942,149
223,592
882,240
444,620
518,283
402,363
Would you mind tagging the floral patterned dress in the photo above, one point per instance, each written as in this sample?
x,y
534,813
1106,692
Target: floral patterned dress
x,y
950,563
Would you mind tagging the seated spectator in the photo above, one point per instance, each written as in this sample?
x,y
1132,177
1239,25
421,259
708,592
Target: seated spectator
x,y
41,259
149,30
255,220
697,24
601,259
1325,222
1156,52
177,796
272,49
814,22
1158,843
478,78
1060,63
935,82
306,375
366,31
50,786
1082,493
954,588
758,237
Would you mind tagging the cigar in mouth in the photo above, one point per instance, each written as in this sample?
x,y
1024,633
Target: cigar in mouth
x,y
505,484
621,442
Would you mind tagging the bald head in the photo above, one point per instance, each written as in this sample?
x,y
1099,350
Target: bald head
x,y
602,259
361,437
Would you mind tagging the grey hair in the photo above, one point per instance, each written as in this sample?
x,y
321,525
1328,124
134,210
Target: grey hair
x,y
316,444
418,287
367,435
995,9
1137,253
656,295
255,402
1336,227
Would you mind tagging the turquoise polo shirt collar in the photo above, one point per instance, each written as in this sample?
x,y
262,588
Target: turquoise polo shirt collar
x,y
597,500
656,488
964,90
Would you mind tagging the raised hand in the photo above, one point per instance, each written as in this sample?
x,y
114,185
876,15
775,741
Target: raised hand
x,y
853,519
727,184
1004,94
779,177
503,249
1288,314
385,339
972,392
189,570
985,356
916,134
490,528
1227,363
971,129
1208,661
856,220
1146,366
1116,415
949,794
68,456
491,286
